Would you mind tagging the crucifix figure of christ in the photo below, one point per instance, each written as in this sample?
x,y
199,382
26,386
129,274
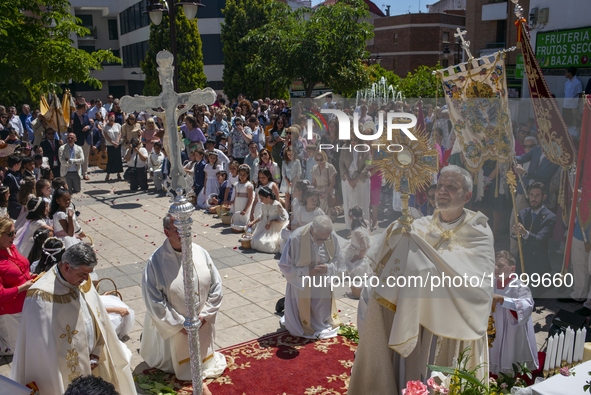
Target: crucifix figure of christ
x,y
465,44
168,103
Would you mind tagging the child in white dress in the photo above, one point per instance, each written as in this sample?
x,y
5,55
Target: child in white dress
x,y
244,197
65,225
212,186
291,170
265,180
233,168
308,210
37,212
273,218
26,193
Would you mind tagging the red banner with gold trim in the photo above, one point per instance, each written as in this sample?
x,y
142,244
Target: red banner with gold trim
x,y
552,131
585,150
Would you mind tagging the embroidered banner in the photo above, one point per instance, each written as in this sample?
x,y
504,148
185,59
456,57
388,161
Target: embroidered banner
x,y
552,131
478,104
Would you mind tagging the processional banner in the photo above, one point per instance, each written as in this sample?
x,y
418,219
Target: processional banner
x,y
552,131
478,105
585,150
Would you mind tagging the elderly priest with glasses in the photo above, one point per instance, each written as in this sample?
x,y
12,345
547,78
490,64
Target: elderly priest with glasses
x,y
311,255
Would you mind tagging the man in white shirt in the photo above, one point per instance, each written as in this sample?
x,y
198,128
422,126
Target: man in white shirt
x,y
98,107
573,89
15,121
328,100
71,158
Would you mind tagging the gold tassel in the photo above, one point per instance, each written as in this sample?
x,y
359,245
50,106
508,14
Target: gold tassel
x,y
51,298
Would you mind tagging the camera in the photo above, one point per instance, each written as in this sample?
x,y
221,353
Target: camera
x,y
134,145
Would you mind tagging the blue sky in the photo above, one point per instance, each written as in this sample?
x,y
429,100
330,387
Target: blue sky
x,y
398,6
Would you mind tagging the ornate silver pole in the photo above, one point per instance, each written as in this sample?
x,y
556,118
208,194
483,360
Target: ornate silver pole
x,y
180,182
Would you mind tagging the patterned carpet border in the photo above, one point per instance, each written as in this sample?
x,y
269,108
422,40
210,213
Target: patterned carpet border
x,y
279,364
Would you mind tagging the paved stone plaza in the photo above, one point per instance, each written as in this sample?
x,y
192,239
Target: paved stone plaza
x,y
126,227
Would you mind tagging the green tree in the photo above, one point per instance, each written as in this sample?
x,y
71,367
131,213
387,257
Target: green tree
x,y
36,52
322,45
241,17
421,83
378,72
189,58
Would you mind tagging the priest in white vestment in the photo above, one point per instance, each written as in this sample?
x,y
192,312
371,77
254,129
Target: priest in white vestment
x,y
165,342
515,340
409,326
66,331
311,255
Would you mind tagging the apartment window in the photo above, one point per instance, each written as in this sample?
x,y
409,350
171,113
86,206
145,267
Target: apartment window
x,y
87,48
394,64
113,35
445,37
133,18
134,54
85,20
395,40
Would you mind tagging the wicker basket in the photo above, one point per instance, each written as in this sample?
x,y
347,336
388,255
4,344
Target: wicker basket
x,y
246,242
226,218
221,210
113,292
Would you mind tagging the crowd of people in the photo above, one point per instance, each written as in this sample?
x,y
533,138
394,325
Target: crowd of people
x,y
257,162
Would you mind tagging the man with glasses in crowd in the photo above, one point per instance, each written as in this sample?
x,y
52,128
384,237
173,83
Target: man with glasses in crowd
x,y
108,105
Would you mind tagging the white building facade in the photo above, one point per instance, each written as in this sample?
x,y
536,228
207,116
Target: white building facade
x,y
122,27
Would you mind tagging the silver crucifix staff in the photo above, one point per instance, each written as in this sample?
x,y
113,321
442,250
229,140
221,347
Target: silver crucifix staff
x,y
465,44
167,108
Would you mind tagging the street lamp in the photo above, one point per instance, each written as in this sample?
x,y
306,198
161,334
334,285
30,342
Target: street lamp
x,y
157,7
373,60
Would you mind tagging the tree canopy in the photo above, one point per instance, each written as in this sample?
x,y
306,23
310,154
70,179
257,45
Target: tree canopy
x,y
189,58
324,45
421,83
241,17
36,52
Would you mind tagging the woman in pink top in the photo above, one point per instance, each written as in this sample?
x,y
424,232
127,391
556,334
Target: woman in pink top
x,y
149,135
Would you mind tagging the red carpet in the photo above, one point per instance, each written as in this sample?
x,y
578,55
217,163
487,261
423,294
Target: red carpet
x,y
280,364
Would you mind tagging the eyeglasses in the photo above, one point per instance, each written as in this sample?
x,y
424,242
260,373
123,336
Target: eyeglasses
x,y
252,121
11,234
321,159
288,133
51,133
529,146
4,116
280,122
264,154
